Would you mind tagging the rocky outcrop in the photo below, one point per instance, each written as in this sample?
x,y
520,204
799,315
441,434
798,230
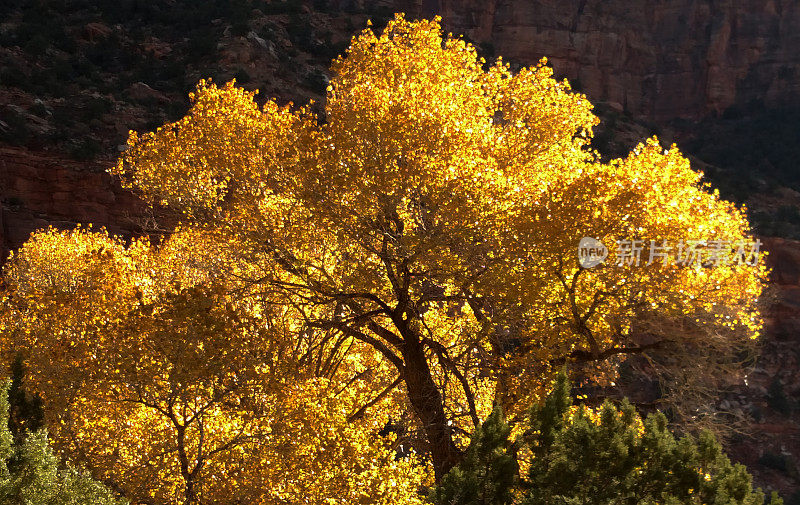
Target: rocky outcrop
x,y
38,190
660,59
770,445
783,318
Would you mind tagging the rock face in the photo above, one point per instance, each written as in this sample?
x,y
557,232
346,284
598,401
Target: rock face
x,y
784,261
37,190
771,395
660,59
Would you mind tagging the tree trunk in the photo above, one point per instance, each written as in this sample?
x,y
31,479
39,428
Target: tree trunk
x,y
188,478
426,400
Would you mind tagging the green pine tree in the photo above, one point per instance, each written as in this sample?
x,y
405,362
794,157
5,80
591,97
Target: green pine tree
x,y
25,411
30,473
608,458
488,472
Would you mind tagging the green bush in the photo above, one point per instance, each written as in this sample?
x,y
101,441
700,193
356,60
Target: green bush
x,y
301,33
282,7
316,81
488,472
85,149
25,411
97,107
241,76
16,130
774,461
30,473
777,399
12,76
611,457
203,43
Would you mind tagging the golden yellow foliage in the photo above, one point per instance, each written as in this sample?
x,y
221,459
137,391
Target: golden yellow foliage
x,y
424,235
171,388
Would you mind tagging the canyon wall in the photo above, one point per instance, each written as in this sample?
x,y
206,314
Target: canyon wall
x,y
659,59
38,190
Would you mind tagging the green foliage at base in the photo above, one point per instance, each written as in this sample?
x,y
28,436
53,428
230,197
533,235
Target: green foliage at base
x,y
488,472
30,473
579,457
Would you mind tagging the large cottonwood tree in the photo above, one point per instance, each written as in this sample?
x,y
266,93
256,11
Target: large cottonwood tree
x,y
417,245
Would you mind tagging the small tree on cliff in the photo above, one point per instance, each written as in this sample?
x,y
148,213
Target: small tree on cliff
x,y
417,251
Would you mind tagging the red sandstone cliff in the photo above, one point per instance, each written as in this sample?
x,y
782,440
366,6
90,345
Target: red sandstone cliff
x,y
660,59
37,190
771,448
